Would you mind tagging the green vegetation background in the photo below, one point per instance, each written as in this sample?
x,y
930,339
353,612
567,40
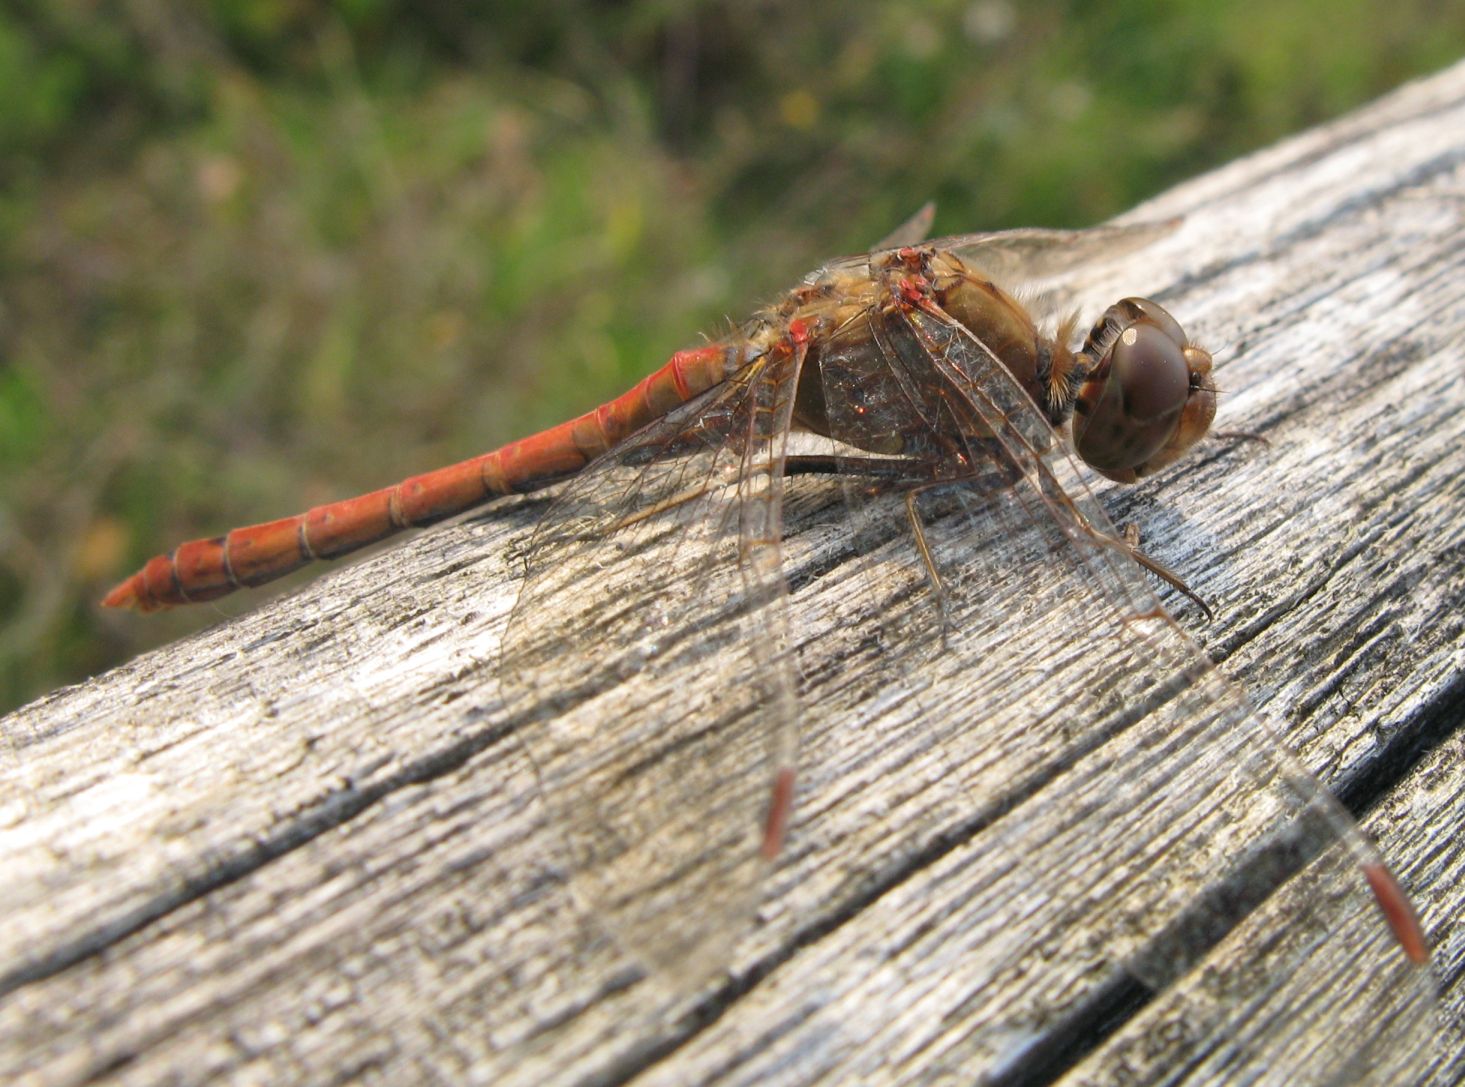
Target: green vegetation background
x,y
255,256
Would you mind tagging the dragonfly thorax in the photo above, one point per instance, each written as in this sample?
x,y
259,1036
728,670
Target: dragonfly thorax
x,y
1044,366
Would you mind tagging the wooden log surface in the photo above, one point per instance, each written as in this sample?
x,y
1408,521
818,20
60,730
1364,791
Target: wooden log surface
x,y
307,844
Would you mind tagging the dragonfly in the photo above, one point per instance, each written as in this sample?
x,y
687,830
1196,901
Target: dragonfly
x,y
913,382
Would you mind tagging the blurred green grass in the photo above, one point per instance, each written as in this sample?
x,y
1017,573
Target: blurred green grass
x,y
255,256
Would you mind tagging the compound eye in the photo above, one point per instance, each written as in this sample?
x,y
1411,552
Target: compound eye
x,y
1149,365
1146,382
1158,316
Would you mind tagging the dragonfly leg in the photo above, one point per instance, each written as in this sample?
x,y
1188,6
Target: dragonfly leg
x,y
912,473
894,469
1127,543
884,467
938,589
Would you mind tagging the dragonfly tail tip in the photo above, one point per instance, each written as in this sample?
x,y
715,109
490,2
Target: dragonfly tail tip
x,y
128,594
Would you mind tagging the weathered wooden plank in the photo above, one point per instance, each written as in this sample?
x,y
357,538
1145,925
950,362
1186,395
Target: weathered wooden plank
x,y
307,844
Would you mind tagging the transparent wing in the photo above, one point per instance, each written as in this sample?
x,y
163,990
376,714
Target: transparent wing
x,y
647,656
1128,782
1034,254
911,232
1037,261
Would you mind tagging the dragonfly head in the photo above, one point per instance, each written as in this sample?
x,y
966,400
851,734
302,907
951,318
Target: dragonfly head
x,y
1148,396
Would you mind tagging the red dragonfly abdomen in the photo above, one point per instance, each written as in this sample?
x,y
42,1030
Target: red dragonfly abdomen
x,y
209,568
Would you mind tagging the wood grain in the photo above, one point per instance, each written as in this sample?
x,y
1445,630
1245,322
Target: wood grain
x,y
308,845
